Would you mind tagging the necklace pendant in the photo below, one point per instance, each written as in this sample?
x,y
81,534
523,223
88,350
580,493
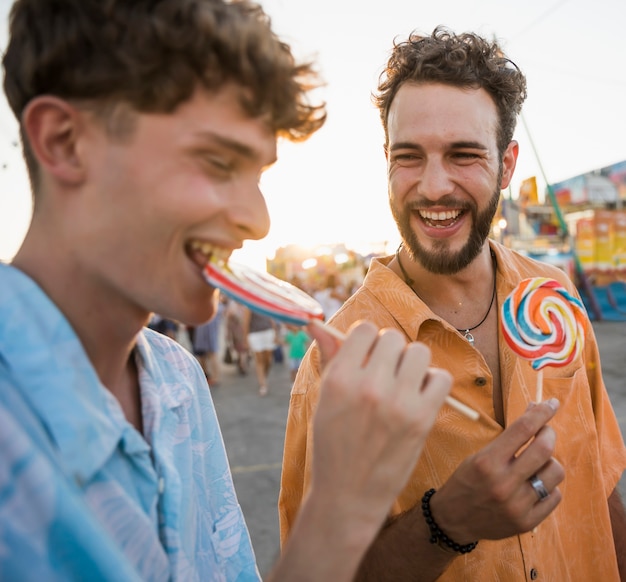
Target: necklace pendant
x,y
469,337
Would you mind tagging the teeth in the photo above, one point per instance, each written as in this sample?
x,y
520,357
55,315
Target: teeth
x,y
215,254
447,215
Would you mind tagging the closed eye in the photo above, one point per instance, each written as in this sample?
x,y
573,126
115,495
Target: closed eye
x,y
467,156
406,158
215,165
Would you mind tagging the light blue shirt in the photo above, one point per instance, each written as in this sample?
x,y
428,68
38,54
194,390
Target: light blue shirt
x,y
83,495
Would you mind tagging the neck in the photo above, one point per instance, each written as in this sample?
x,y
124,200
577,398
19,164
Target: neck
x,y
105,325
464,301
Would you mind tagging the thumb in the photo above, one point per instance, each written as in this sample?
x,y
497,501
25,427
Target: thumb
x,y
328,340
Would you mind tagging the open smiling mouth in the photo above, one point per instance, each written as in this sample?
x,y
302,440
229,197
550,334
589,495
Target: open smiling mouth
x,y
201,253
442,219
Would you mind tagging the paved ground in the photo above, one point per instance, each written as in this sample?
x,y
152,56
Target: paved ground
x,y
253,429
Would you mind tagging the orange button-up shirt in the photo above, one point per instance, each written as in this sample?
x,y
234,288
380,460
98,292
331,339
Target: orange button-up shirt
x,y
575,542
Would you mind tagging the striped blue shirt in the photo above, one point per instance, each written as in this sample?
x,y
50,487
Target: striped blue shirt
x,y
83,495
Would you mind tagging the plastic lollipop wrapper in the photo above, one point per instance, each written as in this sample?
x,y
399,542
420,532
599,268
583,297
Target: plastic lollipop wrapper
x,y
286,303
544,323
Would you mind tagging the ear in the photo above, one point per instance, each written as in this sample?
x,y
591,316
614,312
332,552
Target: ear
x,y
53,127
509,160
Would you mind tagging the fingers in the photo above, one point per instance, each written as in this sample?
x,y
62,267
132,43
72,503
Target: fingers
x,y
413,366
535,461
378,401
536,471
364,345
328,341
359,340
527,426
531,442
538,452
388,365
388,356
543,494
437,385
544,482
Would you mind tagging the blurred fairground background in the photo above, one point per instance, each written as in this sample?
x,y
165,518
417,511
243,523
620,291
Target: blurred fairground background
x,y
578,224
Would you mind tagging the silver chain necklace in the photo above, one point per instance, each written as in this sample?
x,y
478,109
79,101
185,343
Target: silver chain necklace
x,y
466,332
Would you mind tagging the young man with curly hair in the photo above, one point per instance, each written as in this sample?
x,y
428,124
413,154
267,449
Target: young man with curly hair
x,y
146,125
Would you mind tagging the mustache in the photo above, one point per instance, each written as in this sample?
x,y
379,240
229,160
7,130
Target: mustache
x,y
446,201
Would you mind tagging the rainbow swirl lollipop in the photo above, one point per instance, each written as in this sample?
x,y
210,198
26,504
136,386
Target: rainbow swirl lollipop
x,y
544,323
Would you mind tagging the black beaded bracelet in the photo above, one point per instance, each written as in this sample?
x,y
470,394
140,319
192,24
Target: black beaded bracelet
x,y
436,535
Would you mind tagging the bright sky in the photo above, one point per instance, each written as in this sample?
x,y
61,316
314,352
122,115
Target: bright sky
x,y
333,187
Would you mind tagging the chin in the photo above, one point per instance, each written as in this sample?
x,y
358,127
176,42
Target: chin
x,y
195,310
205,313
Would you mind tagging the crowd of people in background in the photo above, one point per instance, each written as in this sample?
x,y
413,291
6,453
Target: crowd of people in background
x,y
206,344
331,295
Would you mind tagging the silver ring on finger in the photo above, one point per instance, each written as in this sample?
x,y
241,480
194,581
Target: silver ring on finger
x,y
539,487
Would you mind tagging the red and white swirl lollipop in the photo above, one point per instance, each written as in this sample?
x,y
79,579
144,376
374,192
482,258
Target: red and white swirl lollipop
x,y
544,323
264,293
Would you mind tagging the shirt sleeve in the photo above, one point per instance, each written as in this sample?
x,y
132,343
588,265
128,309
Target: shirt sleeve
x,y
297,455
610,440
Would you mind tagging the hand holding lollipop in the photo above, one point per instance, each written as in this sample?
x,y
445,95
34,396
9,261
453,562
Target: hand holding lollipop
x,y
543,322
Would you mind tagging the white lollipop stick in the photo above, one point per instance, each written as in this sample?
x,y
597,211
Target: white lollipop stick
x,y
539,394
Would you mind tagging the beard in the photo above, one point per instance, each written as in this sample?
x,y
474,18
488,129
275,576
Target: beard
x,y
439,259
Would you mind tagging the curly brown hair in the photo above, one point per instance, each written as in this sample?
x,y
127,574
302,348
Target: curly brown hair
x,y
152,55
464,60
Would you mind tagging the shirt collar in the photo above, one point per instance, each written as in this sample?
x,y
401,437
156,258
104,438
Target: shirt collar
x,y
163,384
380,277
52,371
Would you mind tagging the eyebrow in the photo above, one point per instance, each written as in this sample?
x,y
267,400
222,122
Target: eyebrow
x,y
234,145
454,145
227,142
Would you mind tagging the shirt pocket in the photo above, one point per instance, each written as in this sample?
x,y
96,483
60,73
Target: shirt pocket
x,y
574,422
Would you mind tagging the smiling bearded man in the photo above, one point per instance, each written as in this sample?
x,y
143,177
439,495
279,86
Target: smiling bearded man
x,y
480,501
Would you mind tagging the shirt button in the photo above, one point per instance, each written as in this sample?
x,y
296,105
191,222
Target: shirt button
x,y
480,381
161,485
533,574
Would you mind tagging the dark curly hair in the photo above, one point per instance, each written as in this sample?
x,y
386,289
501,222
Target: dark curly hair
x,y
152,55
464,60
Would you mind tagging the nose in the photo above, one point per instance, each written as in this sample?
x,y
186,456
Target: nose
x,y
434,180
248,212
